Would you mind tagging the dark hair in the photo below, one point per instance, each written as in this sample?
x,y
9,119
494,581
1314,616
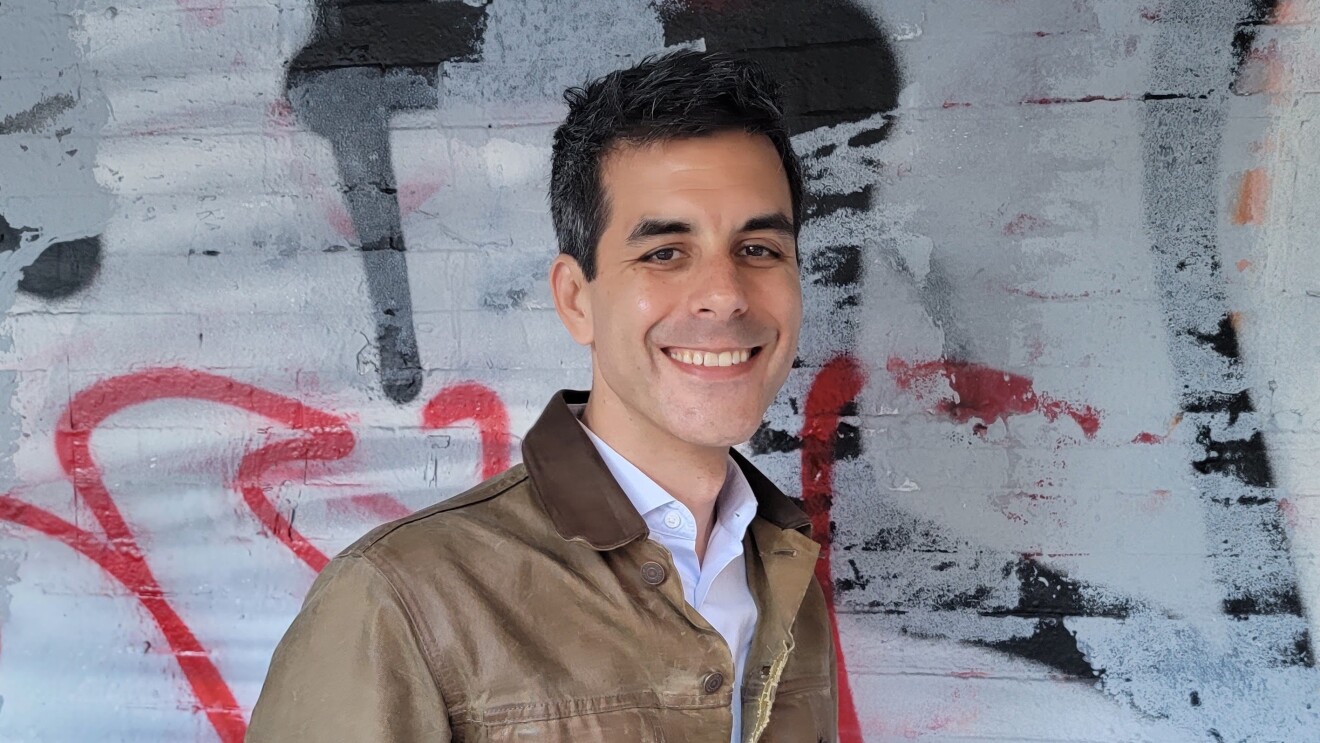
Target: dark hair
x,y
671,96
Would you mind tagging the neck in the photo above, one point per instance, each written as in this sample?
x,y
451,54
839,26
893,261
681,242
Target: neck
x,y
691,473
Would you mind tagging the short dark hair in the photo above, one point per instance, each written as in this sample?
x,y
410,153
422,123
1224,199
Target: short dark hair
x,y
671,96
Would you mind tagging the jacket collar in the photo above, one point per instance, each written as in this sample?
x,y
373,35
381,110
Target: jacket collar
x,y
582,498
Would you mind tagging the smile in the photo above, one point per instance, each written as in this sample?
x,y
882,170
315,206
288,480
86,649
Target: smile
x,y
697,357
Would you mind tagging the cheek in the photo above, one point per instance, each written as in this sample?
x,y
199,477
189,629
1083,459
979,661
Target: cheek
x,y
627,318
646,307
782,298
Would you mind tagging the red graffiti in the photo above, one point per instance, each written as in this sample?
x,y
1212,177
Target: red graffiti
x,y
324,437
377,506
471,401
985,394
209,13
837,385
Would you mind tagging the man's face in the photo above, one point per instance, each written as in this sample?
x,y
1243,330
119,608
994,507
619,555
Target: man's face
x,y
694,313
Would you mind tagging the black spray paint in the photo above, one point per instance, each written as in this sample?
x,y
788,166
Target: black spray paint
x,y
836,63
37,117
1183,134
364,62
61,269
367,60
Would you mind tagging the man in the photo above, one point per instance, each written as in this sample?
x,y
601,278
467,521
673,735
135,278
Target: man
x,y
634,579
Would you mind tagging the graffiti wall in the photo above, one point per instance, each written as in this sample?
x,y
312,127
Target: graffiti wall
x,y
273,272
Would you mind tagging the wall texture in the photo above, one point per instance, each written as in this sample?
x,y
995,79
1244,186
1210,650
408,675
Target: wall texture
x,y
272,271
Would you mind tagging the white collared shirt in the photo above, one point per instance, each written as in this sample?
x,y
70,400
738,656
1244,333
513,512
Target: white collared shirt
x,y
717,586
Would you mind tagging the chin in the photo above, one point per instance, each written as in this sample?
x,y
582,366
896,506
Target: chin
x,y
730,433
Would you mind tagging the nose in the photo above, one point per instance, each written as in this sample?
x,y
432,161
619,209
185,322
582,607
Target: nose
x,y
719,293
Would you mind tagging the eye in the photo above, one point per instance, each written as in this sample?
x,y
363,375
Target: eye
x,y
663,255
755,250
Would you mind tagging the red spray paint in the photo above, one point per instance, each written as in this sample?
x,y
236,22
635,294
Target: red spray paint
x,y
837,385
985,394
117,550
209,13
325,437
479,404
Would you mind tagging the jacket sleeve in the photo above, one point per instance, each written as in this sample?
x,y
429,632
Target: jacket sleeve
x,y
350,667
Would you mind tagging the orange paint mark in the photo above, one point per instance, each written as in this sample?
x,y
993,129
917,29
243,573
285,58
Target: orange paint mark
x,y
1253,197
1291,12
1243,265
1263,71
1289,511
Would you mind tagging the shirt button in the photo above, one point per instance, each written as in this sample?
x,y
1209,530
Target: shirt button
x,y
712,683
673,520
653,573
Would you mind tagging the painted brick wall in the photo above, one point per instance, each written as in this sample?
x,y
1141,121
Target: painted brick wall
x,y
273,272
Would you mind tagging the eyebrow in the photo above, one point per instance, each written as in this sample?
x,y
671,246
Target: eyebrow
x,y
657,228
647,228
774,222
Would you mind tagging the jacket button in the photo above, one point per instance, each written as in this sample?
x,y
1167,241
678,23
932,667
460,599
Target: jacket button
x,y
653,573
712,682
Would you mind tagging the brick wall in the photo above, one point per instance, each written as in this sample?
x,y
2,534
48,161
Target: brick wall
x,y
1056,396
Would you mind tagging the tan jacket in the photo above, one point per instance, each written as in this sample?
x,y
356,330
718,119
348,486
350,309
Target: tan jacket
x,y
534,608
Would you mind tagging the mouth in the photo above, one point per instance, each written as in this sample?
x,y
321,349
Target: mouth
x,y
697,357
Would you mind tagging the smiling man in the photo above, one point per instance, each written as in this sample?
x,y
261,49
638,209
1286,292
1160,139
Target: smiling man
x,y
635,579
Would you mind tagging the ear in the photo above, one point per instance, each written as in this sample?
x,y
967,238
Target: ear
x,y
572,299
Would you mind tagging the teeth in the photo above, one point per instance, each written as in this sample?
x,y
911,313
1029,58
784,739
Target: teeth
x,y
710,358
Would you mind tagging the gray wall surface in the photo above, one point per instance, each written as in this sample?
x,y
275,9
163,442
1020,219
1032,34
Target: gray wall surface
x,y
273,271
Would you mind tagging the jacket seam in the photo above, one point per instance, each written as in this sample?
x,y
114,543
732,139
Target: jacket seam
x,y
438,508
811,683
413,631
551,715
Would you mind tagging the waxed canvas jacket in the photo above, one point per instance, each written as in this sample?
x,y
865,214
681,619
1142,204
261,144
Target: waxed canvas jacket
x,y
534,608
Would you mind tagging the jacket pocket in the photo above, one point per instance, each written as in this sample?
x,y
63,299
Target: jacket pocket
x,y
615,725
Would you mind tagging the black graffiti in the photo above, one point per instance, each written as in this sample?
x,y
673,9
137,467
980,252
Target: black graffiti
x,y
834,59
11,237
1051,643
33,119
1243,459
367,60
768,440
1224,340
1234,404
823,205
364,62
1046,592
1182,218
61,269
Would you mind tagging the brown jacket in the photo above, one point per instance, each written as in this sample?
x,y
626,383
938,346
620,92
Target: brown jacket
x,y
534,608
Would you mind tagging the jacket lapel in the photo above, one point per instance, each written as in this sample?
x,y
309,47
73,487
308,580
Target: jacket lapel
x,y
575,487
582,498
781,565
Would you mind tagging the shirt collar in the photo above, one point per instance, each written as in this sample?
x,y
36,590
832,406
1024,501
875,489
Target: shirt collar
x,y
646,494
734,508
585,502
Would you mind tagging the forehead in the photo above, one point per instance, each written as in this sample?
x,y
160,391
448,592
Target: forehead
x,y
733,173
